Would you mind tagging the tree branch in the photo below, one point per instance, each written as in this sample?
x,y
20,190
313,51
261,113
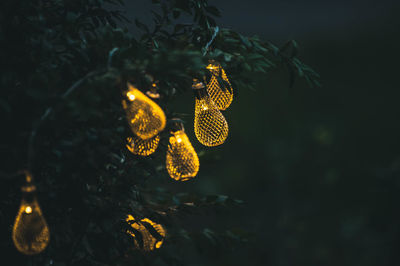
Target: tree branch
x,y
49,111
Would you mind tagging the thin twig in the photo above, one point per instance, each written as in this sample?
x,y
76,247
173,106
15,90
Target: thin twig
x,y
216,30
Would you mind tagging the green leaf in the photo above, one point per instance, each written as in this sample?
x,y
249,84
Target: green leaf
x,y
245,41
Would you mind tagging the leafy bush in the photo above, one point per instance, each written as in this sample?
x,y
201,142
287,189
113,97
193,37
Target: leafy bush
x,y
70,60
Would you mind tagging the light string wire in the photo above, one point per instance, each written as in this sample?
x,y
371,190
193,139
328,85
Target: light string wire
x,y
110,56
207,47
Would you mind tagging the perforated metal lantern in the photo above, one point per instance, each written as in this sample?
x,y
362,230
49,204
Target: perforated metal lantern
x,y
30,232
182,162
145,117
143,147
210,125
218,86
142,237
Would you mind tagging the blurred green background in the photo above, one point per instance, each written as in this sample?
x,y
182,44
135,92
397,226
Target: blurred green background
x,y
317,168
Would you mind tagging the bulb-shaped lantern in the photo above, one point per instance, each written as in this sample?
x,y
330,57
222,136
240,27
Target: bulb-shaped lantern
x,y
182,161
145,117
30,232
143,147
147,235
210,125
218,86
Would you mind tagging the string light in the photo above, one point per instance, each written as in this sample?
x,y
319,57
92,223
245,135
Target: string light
x,y
145,117
143,147
210,125
182,162
221,92
30,232
146,241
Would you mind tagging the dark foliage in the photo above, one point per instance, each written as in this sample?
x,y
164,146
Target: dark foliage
x,y
87,180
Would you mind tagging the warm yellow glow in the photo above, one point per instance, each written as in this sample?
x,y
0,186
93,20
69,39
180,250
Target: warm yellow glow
x,y
30,232
130,95
182,161
210,125
28,209
221,97
28,177
149,241
145,117
143,147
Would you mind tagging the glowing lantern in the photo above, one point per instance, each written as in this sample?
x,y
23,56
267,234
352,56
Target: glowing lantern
x,y
218,87
210,125
145,117
146,241
30,232
182,161
143,147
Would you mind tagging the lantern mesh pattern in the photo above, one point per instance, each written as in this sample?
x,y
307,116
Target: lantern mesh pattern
x,y
145,117
30,232
143,147
182,161
146,241
210,125
221,97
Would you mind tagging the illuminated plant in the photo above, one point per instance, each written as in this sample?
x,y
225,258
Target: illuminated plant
x,y
66,63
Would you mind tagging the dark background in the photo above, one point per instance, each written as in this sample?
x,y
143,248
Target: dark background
x,y
318,168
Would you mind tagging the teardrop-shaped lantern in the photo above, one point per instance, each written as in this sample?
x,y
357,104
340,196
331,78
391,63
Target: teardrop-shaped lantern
x,y
218,86
145,117
30,232
182,162
143,147
210,125
147,235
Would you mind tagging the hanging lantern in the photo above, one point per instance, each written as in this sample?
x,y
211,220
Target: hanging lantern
x,y
142,238
145,117
30,232
182,162
143,147
218,86
210,125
